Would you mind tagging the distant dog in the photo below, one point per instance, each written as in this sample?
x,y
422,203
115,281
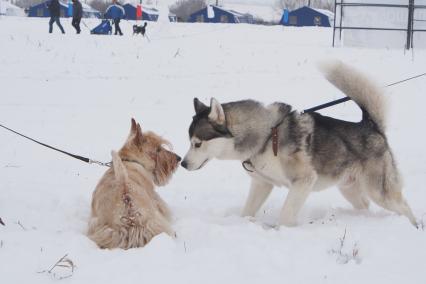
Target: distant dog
x,y
126,210
305,152
139,29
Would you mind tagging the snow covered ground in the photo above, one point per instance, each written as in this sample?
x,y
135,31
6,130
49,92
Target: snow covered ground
x,y
79,93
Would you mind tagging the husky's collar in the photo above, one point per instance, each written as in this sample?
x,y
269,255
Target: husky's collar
x,y
274,134
274,137
247,164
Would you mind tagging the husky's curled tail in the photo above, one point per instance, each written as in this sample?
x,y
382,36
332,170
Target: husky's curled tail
x,y
360,89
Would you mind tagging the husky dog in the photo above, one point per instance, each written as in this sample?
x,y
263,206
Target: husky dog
x,y
139,29
304,152
126,210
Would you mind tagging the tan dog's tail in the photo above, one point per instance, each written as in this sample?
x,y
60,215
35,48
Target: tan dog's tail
x,y
120,172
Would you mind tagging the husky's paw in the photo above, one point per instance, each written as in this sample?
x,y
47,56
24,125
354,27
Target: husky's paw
x,y
267,226
250,219
420,225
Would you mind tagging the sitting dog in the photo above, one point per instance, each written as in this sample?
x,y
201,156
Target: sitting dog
x,y
126,210
304,152
139,29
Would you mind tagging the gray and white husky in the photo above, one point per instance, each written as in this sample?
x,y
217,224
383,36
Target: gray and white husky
x,y
304,152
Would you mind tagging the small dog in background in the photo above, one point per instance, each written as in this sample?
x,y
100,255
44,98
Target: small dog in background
x,y
140,29
126,210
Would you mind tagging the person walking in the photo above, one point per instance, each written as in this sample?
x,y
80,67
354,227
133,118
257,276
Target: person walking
x,y
116,13
55,12
77,14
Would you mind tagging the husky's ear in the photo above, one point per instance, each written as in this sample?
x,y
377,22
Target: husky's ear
x,y
217,114
199,106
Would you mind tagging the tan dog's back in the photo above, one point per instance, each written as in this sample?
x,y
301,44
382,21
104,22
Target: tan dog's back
x,y
126,211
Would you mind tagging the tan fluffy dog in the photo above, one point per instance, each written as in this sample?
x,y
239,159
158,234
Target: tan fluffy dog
x,y
126,210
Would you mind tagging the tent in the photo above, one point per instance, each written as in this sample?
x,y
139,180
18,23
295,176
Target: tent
x,y
148,13
216,14
41,10
307,16
8,9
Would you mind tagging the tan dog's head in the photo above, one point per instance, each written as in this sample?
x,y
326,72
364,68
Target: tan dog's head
x,y
148,149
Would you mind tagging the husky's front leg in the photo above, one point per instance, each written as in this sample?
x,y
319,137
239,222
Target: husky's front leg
x,y
296,197
259,191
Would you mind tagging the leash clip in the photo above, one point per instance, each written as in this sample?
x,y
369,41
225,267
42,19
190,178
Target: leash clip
x,y
108,164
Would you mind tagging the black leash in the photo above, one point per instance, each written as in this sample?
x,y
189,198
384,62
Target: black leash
x,y
84,159
345,99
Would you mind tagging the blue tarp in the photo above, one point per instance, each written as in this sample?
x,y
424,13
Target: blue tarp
x,y
103,28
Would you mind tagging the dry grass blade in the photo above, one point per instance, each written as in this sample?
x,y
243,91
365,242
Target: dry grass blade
x,y
20,225
66,270
346,252
421,224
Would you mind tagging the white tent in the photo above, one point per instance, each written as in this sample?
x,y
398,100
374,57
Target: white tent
x,y
8,9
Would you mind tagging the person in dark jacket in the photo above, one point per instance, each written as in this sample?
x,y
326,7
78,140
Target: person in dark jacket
x,y
55,12
116,13
77,14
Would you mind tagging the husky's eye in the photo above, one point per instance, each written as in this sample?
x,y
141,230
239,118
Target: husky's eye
x,y
197,145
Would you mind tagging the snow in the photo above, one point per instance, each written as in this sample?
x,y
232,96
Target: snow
x,y
266,13
78,92
210,12
88,8
8,9
328,13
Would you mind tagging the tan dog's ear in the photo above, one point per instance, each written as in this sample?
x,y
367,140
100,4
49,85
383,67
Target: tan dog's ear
x,y
138,135
133,128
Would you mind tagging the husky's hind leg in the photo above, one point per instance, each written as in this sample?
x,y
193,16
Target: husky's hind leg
x,y
353,193
259,191
393,201
384,187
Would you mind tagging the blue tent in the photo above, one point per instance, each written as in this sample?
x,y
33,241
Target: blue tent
x,y
41,10
306,16
215,14
148,14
